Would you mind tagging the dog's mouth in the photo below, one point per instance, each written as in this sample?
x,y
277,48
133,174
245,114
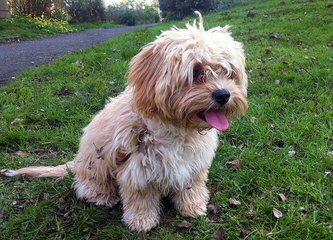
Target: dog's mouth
x,y
216,118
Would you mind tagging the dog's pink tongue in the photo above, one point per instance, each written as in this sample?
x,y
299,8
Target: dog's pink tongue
x,y
217,119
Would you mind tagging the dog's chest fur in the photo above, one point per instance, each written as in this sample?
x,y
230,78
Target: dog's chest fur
x,y
170,158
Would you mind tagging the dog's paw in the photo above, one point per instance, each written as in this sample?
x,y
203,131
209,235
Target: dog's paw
x,y
141,223
194,210
109,203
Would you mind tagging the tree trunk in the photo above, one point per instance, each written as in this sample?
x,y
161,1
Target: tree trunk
x,y
4,12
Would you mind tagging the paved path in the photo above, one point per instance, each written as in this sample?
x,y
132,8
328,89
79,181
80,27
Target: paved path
x,y
16,57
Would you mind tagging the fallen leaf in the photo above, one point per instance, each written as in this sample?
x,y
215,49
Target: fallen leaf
x,y
275,36
250,14
244,234
269,50
15,234
1,213
79,63
213,208
21,154
282,197
234,202
330,154
291,153
184,224
235,164
67,214
219,234
64,91
328,173
215,218
213,191
302,209
16,120
277,213
46,196
304,213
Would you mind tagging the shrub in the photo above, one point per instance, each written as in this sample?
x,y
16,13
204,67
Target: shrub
x,y
178,9
85,10
132,14
39,8
35,8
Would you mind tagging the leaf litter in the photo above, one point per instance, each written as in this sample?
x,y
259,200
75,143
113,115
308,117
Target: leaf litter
x,y
277,213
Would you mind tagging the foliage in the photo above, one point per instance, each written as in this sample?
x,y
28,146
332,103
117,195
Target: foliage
x,y
27,27
284,144
178,9
38,8
132,14
85,10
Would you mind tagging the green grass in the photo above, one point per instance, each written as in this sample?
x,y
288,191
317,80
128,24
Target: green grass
x,y
283,142
24,28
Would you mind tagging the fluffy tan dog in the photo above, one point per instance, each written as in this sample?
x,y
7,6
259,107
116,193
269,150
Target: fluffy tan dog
x,y
159,136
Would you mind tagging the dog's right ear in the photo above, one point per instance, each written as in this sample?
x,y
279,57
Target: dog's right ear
x,y
146,69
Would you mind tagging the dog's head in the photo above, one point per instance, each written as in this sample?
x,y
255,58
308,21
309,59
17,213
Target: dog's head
x,y
191,77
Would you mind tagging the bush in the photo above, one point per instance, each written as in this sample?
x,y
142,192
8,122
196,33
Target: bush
x,y
85,10
178,9
39,8
35,8
132,14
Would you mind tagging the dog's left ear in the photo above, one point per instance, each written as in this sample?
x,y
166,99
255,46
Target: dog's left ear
x,y
146,69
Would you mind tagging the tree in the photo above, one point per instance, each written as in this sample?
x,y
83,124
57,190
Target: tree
x,y
35,8
4,12
85,10
178,9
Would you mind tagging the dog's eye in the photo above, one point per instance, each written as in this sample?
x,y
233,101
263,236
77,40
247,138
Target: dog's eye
x,y
198,74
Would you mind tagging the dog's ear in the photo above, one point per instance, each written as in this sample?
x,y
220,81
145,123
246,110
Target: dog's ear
x,y
146,69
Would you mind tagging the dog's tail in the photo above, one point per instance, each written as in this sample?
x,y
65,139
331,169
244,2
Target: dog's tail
x,y
59,171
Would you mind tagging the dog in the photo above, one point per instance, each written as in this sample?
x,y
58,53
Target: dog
x,y
159,136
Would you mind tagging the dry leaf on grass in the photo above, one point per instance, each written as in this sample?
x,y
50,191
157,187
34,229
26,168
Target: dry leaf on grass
x,y
330,154
235,164
215,218
328,173
244,234
213,208
1,213
21,154
304,213
184,224
234,202
277,213
219,234
291,153
282,197
16,120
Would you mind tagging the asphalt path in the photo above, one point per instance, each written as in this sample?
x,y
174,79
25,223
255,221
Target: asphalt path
x,y
16,57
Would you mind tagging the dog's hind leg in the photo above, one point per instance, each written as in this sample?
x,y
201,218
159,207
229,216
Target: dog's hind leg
x,y
60,171
100,193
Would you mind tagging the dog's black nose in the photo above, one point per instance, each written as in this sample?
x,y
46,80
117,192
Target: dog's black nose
x,y
221,96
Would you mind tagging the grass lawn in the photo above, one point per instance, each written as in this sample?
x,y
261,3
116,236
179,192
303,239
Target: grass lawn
x,y
24,28
284,144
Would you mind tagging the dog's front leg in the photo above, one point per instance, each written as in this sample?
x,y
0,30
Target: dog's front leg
x,y
141,206
192,201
